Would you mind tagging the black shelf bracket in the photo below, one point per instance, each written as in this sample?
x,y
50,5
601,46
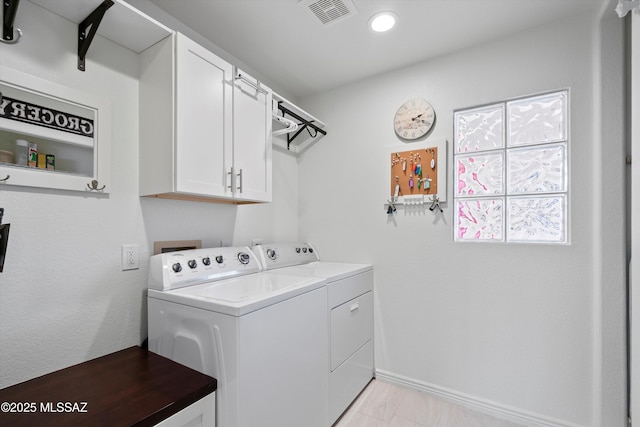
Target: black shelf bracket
x,y
9,10
303,125
87,30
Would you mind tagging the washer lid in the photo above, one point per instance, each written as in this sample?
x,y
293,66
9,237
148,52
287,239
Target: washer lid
x,y
241,295
332,271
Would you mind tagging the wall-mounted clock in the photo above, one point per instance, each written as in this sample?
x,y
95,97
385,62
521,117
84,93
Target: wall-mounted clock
x,y
414,119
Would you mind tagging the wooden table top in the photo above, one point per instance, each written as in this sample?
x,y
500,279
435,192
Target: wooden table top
x,y
131,387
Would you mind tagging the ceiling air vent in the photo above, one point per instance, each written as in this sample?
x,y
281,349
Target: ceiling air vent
x,y
330,11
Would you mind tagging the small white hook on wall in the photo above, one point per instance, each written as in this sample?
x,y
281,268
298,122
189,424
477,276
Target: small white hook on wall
x,y
624,6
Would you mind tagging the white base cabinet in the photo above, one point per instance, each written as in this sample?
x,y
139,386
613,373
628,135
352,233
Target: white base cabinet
x,y
204,134
199,414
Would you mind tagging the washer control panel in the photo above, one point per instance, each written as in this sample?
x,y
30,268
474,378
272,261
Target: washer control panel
x,y
174,270
277,255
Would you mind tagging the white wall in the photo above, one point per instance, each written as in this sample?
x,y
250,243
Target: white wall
x,y
609,228
63,296
530,330
524,330
635,263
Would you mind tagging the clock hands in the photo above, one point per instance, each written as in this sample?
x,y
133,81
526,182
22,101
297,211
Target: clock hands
x,y
419,119
416,122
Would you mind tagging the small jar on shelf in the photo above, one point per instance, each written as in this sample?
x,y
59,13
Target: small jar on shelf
x,y
22,152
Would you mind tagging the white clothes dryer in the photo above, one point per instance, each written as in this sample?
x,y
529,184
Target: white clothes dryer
x,y
350,310
262,336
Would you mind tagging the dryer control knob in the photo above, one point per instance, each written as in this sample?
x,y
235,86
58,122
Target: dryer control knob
x,y
206,260
192,263
243,258
271,253
177,268
219,259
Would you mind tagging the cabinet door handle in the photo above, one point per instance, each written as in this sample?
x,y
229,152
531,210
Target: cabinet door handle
x,y
230,183
354,307
240,176
5,179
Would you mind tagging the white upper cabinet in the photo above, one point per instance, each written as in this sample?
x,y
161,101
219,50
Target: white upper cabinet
x,y
252,104
69,132
204,135
203,120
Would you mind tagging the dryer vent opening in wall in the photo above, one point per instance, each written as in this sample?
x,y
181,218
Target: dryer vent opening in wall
x,y
330,12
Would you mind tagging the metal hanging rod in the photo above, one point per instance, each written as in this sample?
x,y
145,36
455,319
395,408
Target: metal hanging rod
x,y
305,125
87,30
9,10
249,82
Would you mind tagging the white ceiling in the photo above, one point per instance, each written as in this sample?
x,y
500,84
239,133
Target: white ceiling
x,y
292,49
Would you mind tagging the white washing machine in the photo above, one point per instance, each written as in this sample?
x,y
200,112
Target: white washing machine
x,y
262,336
350,310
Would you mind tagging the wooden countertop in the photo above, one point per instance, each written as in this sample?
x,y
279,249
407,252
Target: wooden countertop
x,y
132,387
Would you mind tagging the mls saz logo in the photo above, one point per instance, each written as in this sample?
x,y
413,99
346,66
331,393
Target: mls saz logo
x,y
26,112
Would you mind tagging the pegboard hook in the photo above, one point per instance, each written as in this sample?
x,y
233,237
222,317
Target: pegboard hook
x,y
435,203
392,207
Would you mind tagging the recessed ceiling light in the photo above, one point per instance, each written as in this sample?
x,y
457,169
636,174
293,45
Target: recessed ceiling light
x,y
383,21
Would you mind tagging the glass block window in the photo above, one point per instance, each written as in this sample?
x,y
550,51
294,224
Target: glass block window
x,y
511,170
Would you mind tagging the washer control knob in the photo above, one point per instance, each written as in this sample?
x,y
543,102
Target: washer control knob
x,y
206,260
243,258
177,268
298,250
192,263
219,259
271,253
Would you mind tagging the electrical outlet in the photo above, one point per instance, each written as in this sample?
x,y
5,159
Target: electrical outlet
x,y
130,258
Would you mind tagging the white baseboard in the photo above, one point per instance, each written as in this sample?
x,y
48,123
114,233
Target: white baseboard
x,y
488,407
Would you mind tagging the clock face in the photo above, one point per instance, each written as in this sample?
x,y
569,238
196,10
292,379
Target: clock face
x,y
414,119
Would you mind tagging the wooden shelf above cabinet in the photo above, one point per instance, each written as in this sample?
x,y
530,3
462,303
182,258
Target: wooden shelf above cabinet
x,y
122,23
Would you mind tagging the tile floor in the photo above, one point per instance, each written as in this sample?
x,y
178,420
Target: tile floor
x,y
386,405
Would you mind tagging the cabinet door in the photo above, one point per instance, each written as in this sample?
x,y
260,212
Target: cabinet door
x,y
351,328
251,139
199,414
203,121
